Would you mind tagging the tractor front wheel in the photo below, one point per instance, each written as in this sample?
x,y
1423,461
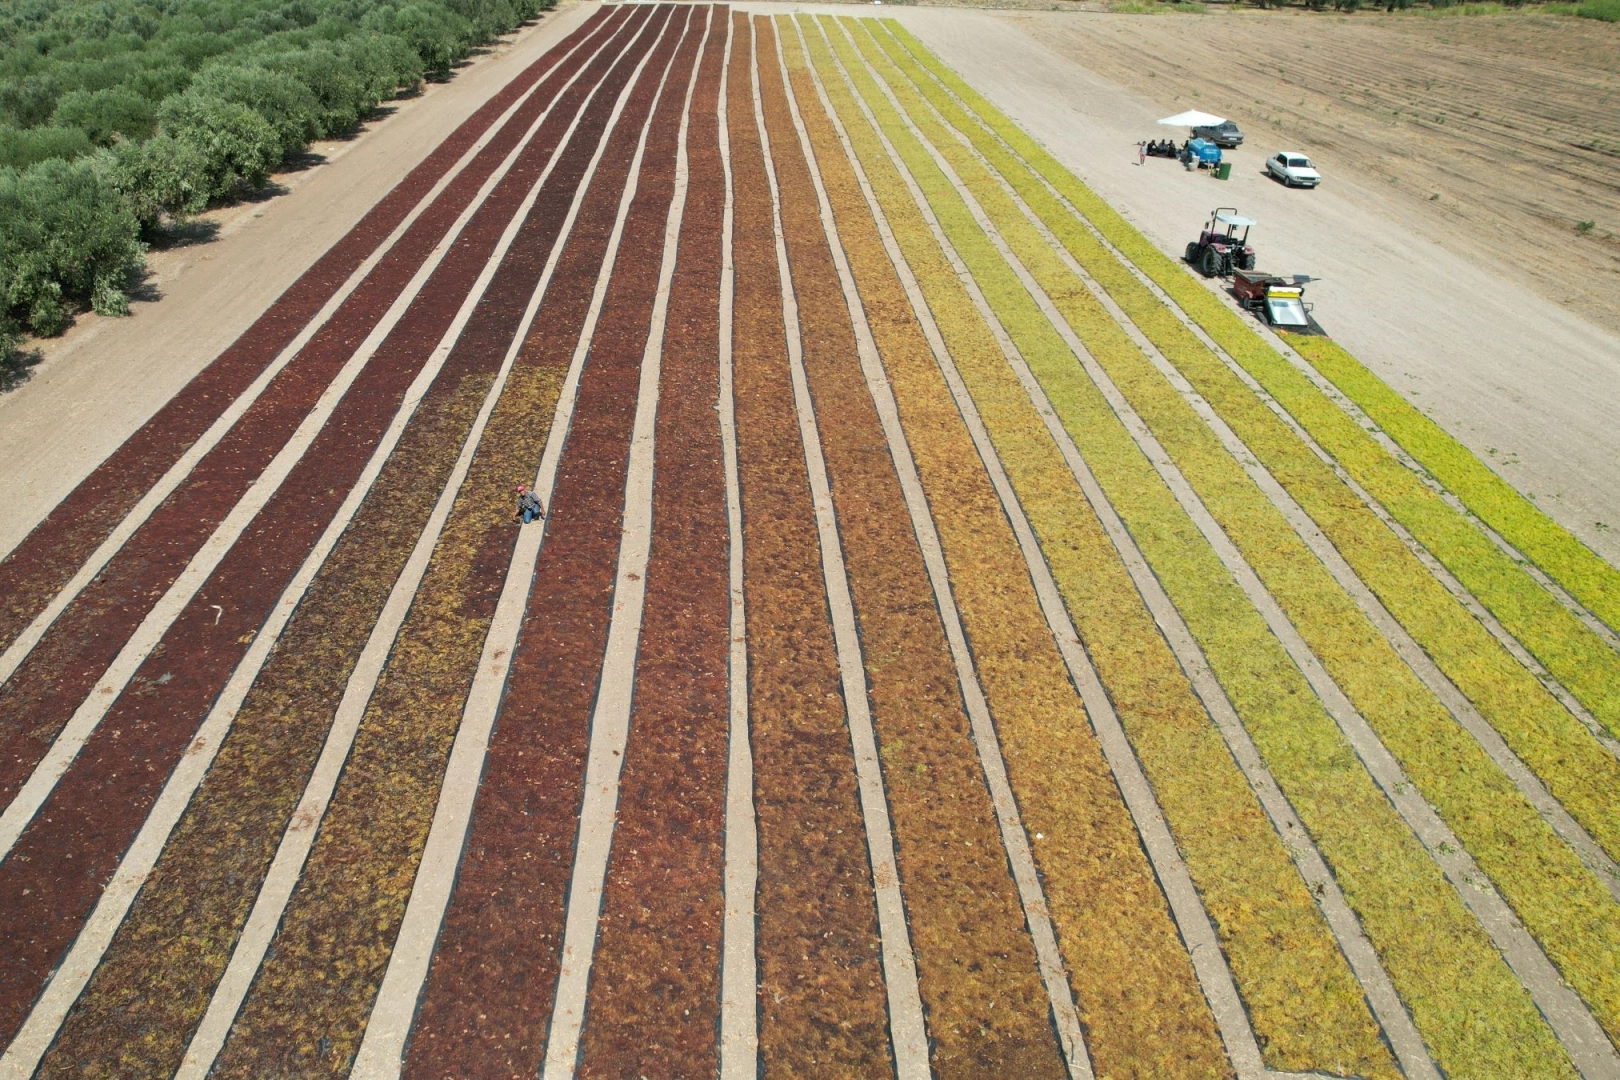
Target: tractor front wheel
x,y
1245,261
1211,264
1192,253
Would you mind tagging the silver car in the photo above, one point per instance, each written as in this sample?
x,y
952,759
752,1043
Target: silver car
x,y
1293,169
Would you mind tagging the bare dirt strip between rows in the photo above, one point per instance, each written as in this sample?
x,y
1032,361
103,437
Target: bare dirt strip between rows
x,y
739,1007
1261,946
37,701
609,725
48,557
1378,554
654,991
152,989
1536,716
487,1000
822,1002
851,244
306,1010
1555,896
55,872
986,1006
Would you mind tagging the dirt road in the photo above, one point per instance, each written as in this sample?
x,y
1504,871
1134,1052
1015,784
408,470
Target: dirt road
x,y
1497,135
1476,335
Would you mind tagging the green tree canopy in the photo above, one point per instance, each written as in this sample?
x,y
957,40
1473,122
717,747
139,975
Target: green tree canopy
x,y
115,114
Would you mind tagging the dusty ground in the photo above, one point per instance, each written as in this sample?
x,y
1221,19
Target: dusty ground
x,y
1512,120
1481,337
102,379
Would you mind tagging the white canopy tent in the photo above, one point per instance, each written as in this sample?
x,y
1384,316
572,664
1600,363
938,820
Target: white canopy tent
x,y
1193,119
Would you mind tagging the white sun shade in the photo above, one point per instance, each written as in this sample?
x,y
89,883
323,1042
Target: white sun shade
x,y
1193,119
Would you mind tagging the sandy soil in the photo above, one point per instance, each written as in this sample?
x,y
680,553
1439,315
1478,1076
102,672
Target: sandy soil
x,y
1530,384
1513,121
102,379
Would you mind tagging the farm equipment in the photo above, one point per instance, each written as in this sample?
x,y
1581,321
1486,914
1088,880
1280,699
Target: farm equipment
x,y
1279,300
1219,250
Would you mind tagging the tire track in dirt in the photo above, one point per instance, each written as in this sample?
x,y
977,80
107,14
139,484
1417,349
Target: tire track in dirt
x,y
1333,397
1538,717
51,683
1562,753
654,1000
43,563
986,1005
1447,749
1508,117
822,1004
194,903
739,967
487,998
1332,1049
57,867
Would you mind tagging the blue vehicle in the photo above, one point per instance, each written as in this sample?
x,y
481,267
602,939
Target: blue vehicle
x,y
1205,152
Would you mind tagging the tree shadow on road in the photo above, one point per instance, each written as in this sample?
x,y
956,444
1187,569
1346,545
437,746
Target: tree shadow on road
x,y
181,234
16,365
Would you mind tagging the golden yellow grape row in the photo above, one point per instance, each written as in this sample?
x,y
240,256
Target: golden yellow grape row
x,y
1570,912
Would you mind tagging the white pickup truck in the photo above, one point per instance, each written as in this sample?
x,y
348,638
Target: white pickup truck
x,y
1293,169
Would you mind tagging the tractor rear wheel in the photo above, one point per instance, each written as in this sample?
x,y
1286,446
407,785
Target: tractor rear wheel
x,y
1211,264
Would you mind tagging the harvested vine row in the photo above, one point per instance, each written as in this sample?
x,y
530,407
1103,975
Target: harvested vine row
x,y
391,780
976,965
821,999
662,910
37,568
200,894
502,933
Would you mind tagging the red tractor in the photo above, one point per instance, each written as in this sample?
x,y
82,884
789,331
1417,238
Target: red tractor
x,y
1219,249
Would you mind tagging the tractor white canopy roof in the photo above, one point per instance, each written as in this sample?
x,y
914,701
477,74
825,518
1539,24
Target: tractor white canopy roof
x,y
1193,119
1227,218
